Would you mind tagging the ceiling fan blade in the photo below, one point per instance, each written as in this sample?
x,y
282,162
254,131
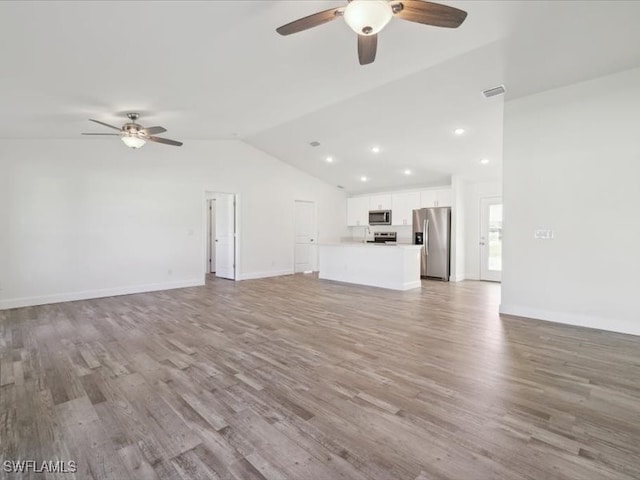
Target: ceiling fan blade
x,y
310,21
105,124
153,130
102,134
367,48
430,13
166,141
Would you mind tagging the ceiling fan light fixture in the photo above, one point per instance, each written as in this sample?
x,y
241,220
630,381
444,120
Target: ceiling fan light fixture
x,y
133,141
368,17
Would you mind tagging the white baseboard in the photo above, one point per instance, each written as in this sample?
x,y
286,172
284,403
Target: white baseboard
x,y
457,278
101,293
255,275
580,320
411,285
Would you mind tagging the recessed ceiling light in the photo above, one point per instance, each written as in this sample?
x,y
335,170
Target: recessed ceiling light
x,y
407,172
363,179
329,159
459,131
375,149
484,161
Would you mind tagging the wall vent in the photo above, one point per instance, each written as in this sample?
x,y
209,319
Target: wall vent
x,y
314,143
492,92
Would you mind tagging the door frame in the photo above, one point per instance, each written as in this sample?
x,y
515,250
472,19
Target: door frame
x,y
494,199
315,263
210,194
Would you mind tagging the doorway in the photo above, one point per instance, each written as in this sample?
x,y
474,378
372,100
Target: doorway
x,y
305,249
491,239
222,235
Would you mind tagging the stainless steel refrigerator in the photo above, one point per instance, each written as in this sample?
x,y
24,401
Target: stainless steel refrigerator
x,y
432,230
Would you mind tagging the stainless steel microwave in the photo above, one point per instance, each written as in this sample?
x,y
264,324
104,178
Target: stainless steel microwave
x,y
380,217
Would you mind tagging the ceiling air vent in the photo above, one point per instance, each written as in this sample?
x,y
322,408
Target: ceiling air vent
x,y
315,143
492,92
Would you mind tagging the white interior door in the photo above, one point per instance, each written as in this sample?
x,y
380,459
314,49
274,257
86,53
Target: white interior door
x,y
305,242
225,235
491,239
211,244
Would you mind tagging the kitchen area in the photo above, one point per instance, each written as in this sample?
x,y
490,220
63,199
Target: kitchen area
x,y
397,239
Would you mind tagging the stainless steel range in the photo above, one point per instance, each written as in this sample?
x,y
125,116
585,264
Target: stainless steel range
x,y
384,237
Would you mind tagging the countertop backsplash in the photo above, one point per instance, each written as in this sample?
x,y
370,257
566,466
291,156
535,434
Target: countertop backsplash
x,y
404,233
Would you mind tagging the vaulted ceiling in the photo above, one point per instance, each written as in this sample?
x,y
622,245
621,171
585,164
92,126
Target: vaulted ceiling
x,y
218,70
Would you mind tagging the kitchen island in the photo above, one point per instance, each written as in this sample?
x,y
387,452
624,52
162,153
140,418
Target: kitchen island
x,y
396,266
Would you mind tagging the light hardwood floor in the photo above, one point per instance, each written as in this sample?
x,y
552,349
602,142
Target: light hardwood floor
x,y
296,378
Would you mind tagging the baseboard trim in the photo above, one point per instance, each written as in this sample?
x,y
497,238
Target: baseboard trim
x,y
100,293
411,285
599,323
256,275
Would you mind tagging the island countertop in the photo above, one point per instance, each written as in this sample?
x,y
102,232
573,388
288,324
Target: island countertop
x,y
370,245
393,266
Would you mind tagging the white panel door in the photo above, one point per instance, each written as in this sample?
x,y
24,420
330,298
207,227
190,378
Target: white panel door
x,y
211,243
305,237
225,222
491,239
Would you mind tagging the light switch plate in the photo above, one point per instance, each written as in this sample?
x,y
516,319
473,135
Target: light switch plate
x,y
543,234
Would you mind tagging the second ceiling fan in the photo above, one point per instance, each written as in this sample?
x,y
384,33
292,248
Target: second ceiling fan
x,y
368,17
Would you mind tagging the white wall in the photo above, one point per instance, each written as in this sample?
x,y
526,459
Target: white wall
x,y
572,164
473,193
87,218
458,229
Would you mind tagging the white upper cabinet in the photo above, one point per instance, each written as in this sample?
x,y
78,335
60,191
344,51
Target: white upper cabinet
x,y
428,199
403,205
435,198
357,211
445,197
380,202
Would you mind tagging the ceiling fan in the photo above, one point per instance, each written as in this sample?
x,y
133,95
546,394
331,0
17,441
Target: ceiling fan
x,y
368,17
135,135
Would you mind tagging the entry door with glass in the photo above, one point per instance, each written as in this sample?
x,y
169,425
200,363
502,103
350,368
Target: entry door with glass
x,y
491,239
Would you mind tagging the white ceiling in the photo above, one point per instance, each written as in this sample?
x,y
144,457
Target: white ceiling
x,y
209,70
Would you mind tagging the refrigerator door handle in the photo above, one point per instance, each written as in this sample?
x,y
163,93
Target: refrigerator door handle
x,y
425,237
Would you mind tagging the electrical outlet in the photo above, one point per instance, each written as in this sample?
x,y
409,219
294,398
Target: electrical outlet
x,y
543,234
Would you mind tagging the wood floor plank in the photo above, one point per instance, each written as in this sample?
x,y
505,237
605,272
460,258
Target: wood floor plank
x,y
297,378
